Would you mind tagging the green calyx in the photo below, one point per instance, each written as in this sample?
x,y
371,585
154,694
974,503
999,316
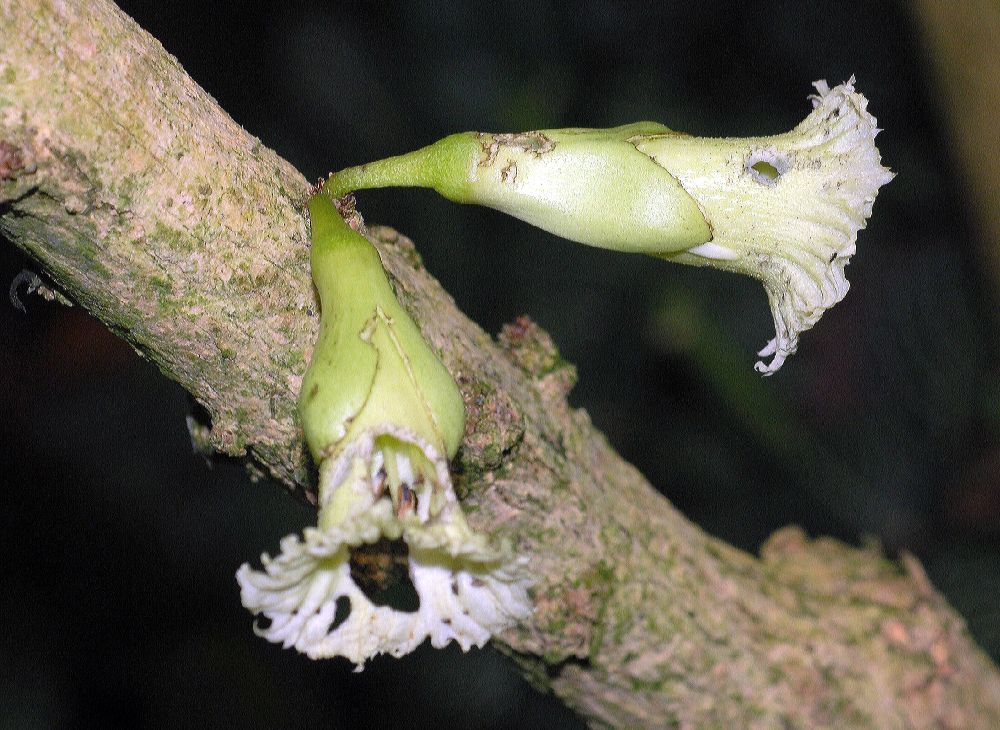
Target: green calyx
x,y
371,369
588,185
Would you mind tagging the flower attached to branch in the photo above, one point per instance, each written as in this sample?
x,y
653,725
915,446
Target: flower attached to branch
x,y
784,209
382,416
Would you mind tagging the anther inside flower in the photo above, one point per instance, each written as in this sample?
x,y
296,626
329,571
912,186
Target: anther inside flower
x,y
784,209
382,416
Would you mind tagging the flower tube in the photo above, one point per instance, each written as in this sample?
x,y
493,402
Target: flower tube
x,y
784,209
382,416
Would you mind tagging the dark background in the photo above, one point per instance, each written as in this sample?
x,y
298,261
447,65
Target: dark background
x,y
119,544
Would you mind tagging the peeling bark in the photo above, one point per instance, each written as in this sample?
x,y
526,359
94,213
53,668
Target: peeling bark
x,y
149,206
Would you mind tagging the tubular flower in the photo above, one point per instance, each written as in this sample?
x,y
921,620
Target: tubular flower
x,y
382,416
784,209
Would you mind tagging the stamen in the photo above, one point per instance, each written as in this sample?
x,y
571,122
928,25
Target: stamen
x,y
405,466
379,481
407,500
391,468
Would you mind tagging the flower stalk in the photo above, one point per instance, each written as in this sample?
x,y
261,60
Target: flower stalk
x,y
784,209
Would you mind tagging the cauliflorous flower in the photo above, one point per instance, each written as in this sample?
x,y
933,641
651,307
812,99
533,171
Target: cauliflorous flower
x,y
382,416
784,209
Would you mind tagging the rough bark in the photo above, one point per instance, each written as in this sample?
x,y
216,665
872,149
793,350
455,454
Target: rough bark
x,y
146,204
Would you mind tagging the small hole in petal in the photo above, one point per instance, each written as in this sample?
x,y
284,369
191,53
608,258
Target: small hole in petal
x,y
766,166
766,169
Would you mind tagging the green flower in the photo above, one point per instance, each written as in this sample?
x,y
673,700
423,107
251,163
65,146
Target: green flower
x,y
382,416
784,209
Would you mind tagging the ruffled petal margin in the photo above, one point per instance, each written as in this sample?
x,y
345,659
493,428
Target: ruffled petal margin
x,y
468,589
784,209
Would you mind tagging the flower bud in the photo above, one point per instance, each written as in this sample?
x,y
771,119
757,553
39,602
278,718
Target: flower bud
x,y
591,186
371,366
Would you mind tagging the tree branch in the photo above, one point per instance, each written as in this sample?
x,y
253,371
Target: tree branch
x,y
149,206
